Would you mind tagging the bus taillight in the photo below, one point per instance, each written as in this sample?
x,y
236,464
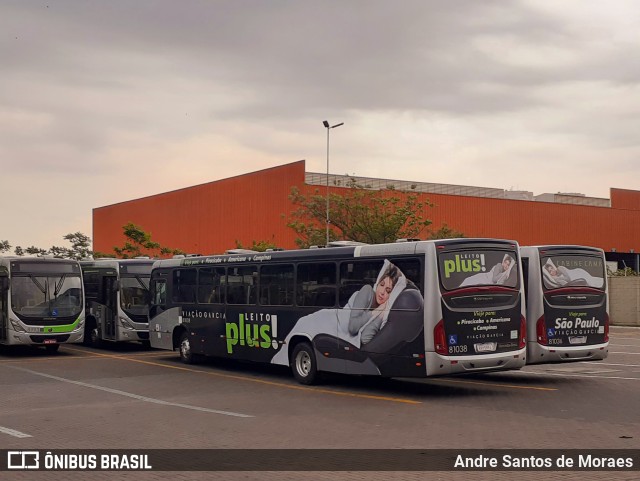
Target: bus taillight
x,y
439,339
523,333
541,332
606,327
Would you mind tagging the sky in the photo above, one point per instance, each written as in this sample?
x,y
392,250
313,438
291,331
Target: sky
x,y
107,101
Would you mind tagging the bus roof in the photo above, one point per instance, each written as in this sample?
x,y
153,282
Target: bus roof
x,y
348,252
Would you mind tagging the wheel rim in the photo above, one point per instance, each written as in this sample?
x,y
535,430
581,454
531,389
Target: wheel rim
x,y
303,363
185,348
94,335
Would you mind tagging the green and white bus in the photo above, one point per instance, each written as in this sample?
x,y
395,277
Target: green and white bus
x,y
407,309
567,303
41,301
117,292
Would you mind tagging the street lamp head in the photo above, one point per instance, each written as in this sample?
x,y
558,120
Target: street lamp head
x,y
337,125
325,123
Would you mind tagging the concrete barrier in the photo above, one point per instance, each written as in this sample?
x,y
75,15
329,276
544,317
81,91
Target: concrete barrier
x,y
624,301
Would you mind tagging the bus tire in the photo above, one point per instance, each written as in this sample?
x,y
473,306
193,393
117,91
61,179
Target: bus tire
x,y
186,353
52,347
303,364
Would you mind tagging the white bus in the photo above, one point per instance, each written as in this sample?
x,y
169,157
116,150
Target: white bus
x,y
409,309
41,301
567,303
117,292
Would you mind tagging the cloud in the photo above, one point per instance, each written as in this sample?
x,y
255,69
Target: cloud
x,y
107,101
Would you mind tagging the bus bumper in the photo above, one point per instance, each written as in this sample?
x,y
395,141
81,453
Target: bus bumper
x,y
438,365
537,354
30,339
125,334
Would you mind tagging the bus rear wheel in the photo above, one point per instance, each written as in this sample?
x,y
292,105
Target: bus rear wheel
x,y
303,364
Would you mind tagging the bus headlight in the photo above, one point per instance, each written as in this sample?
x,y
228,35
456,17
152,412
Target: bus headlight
x,y
17,326
126,324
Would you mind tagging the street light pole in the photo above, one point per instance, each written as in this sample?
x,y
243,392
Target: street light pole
x,y
329,127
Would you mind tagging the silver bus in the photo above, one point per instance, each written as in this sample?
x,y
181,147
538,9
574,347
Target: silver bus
x,y
41,301
117,292
407,309
567,303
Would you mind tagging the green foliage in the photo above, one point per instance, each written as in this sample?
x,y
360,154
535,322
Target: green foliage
x,y
139,243
35,251
626,272
359,214
99,255
445,232
80,246
259,246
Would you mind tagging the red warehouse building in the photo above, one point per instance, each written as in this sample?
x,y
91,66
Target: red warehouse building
x,y
210,218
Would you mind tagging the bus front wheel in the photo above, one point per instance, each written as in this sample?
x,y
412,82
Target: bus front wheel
x,y
186,352
303,364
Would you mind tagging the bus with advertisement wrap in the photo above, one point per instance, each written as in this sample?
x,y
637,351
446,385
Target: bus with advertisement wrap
x,y
567,303
41,301
407,309
117,292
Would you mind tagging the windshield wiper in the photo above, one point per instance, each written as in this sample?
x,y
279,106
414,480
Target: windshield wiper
x,y
59,285
42,288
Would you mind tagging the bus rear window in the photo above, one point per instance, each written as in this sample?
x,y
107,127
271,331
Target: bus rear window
x,y
478,267
572,271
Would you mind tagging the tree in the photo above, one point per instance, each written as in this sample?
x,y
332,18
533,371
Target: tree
x,y
139,243
259,246
4,246
35,251
358,214
80,246
445,232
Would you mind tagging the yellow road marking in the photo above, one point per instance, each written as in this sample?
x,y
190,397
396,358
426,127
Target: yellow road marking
x,y
260,381
96,355
482,383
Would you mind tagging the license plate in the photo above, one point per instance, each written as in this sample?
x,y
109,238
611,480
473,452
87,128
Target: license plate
x,y
577,339
485,346
50,341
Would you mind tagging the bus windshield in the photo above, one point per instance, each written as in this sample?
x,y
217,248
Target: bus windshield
x,y
134,295
572,271
46,296
478,267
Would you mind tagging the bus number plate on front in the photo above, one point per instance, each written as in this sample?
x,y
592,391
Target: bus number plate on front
x,y
485,346
50,341
577,339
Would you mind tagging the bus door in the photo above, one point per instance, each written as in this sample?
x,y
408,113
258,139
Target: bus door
x,y
161,323
4,313
481,302
109,311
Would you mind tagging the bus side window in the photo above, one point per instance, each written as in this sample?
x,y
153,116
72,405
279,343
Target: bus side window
x,y
276,285
242,285
412,270
316,284
211,285
354,275
184,285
